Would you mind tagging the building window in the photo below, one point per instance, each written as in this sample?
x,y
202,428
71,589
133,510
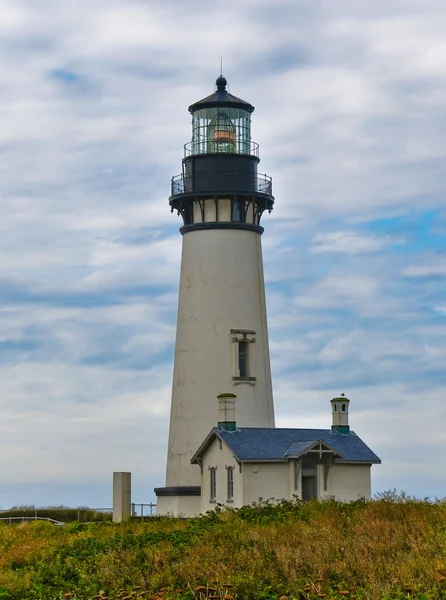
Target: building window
x,y
230,483
297,465
213,486
343,407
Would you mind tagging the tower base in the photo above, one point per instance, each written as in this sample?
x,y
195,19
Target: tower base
x,y
178,501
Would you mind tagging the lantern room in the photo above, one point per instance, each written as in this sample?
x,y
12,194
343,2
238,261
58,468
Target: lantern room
x,y
221,123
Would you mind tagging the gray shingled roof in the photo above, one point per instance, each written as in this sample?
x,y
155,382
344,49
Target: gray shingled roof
x,y
253,443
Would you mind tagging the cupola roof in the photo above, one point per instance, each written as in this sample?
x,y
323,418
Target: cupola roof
x,y
221,97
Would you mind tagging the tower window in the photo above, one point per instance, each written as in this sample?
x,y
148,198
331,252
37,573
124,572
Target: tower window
x,y
243,359
343,407
230,483
238,211
213,484
243,355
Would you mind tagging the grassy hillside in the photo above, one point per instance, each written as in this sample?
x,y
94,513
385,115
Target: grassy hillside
x,y
385,549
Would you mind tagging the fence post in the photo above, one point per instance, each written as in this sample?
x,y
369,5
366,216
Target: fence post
x,y
121,496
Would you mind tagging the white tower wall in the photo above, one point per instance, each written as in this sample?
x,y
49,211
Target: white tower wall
x,y
221,301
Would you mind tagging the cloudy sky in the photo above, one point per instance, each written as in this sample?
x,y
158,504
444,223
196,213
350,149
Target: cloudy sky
x,y
350,100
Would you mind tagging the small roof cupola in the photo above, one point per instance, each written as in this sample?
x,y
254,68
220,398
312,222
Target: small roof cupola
x,y
339,407
226,412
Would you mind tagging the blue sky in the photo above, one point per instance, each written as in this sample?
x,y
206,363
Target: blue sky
x,y
351,120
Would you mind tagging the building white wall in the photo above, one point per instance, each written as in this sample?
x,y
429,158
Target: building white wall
x,y
220,457
266,480
346,482
349,482
221,288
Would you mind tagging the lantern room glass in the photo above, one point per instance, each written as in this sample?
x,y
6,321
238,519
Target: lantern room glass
x,y
221,130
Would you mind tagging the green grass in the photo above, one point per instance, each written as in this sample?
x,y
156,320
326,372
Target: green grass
x,y
387,549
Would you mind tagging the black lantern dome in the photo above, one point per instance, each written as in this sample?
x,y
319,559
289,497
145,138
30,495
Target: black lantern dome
x,y
220,162
221,97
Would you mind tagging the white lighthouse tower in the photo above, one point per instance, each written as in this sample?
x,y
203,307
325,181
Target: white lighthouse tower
x,y
222,336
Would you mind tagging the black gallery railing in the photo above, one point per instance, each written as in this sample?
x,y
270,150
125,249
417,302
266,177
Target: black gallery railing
x,y
185,184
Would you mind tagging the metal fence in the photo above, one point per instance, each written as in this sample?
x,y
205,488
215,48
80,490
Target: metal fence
x,y
14,520
83,514
144,510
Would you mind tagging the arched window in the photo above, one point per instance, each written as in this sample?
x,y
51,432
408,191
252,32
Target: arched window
x,y
213,486
230,483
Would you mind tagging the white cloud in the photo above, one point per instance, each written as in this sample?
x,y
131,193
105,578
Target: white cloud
x,y
350,242
433,267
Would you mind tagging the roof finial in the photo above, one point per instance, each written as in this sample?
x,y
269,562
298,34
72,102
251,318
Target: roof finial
x,y
221,83
221,66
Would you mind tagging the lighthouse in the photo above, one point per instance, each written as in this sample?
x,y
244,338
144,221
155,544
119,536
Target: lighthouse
x,y
222,337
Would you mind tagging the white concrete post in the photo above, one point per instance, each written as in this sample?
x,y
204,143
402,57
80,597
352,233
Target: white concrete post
x,y
121,496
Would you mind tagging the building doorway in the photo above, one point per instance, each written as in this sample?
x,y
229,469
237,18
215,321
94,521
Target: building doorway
x,y
308,488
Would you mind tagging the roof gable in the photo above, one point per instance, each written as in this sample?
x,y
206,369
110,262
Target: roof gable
x,y
297,449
